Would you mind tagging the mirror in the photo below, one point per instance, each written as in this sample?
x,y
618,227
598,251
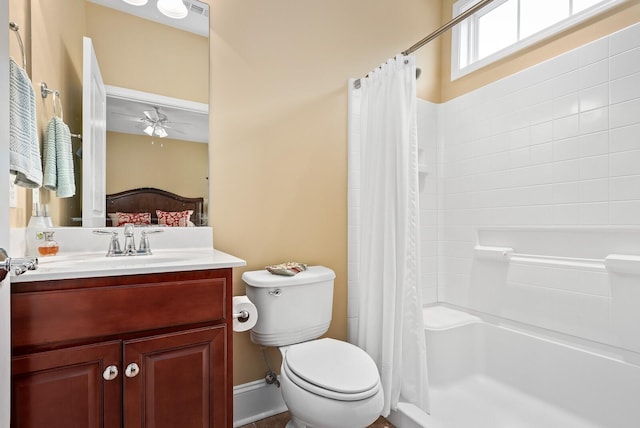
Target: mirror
x,y
159,60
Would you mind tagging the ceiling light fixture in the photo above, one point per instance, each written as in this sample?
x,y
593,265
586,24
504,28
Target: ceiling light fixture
x,y
173,8
136,2
156,130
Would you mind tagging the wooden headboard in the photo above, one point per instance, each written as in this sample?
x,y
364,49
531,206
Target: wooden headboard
x,y
148,200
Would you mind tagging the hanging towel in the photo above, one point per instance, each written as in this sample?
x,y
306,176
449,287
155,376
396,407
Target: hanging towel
x,y
24,148
58,159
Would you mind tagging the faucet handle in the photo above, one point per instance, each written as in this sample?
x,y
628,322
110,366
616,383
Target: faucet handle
x,y
114,244
145,248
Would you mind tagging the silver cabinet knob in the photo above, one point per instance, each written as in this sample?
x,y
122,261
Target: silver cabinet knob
x,y
132,370
110,373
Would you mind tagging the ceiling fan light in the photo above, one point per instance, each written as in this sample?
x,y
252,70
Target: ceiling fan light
x,y
161,132
173,8
149,130
136,2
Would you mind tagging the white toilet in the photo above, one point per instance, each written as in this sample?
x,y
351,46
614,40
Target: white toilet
x,y
326,383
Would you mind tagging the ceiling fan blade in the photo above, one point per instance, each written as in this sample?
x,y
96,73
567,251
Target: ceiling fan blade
x,y
152,115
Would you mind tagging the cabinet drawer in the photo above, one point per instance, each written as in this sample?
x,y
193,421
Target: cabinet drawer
x,y
45,317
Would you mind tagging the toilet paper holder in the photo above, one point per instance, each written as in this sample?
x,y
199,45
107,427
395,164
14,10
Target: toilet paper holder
x,y
242,316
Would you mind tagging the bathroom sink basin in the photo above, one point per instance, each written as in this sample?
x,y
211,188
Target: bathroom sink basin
x,y
96,261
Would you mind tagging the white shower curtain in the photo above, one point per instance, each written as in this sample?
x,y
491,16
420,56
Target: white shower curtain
x,y
385,308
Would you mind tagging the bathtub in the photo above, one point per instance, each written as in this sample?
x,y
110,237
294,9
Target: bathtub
x,y
485,372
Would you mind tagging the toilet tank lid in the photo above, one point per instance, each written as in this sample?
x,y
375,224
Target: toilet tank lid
x,y
263,278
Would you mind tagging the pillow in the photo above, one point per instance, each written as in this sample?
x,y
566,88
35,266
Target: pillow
x,y
174,218
134,218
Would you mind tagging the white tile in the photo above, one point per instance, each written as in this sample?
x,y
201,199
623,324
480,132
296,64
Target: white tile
x,y
594,213
624,40
594,74
519,158
541,153
566,171
566,127
566,105
565,214
594,120
594,167
625,89
565,83
624,188
534,175
519,138
625,63
566,149
625,138
624,163
594,97
627,212
594,190
594,144
624,114
541,133
564,193
540,112
594,51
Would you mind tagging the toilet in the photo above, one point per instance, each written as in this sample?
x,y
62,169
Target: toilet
x,y
326,383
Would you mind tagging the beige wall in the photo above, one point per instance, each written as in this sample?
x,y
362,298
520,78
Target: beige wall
x,y
279,73
140,54
177,166
620,17
52,34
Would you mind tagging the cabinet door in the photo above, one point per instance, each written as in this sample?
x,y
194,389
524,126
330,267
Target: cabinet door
x,y
179,381
65,388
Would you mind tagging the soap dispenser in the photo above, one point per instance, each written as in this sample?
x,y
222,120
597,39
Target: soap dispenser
x,y
35,231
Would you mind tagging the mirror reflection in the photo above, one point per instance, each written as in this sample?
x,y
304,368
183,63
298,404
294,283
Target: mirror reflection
x,y
153,63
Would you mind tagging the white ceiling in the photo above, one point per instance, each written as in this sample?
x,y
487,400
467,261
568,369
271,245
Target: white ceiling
x,y
186,120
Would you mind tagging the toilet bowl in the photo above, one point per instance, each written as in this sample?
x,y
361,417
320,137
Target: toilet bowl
x,y
330,384
325,383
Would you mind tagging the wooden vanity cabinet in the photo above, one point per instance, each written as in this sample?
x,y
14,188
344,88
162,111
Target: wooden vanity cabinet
x,y
150,350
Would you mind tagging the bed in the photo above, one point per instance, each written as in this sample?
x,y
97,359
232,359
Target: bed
x,y
148,200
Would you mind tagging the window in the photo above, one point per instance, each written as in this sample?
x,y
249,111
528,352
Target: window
x,y
506,26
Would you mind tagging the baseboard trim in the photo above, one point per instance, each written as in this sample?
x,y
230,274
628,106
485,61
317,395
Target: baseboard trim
x,y
254,401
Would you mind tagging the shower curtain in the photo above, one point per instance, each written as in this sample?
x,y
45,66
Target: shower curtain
x,y
385,309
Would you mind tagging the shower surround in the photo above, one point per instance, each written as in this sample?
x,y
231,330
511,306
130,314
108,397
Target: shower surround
x,y
545,165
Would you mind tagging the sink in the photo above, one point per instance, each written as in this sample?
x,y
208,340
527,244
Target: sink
x,y
99,261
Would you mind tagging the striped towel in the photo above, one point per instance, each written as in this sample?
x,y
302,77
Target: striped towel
x,y
58,159
24,148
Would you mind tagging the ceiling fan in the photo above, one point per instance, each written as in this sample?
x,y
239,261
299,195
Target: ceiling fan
x,y
156,123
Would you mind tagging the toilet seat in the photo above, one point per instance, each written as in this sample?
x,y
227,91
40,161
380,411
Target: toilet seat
x,y
332,369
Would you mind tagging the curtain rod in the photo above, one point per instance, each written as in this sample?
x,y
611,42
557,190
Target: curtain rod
x,y
464,15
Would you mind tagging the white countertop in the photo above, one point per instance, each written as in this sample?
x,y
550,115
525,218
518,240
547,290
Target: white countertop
x,y
88,265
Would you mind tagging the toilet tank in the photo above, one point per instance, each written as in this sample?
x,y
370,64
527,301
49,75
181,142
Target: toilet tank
x,y
291,309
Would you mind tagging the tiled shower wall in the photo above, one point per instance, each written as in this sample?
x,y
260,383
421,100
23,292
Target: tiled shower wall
x,y
555,145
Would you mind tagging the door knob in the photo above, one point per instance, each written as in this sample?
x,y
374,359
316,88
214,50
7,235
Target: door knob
x,y
19,266
132,370
110,373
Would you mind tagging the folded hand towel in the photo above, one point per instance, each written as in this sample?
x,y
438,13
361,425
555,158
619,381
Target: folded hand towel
x,y
24,148
58,159
287,269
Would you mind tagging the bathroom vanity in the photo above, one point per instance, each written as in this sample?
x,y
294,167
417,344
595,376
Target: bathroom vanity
x,y
124,347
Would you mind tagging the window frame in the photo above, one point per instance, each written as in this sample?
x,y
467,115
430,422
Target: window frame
x,y
471,30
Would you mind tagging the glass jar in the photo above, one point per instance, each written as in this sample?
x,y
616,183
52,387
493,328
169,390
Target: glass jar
x,y
48,247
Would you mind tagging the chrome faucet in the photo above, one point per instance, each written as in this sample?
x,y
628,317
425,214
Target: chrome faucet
x,y
129,240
